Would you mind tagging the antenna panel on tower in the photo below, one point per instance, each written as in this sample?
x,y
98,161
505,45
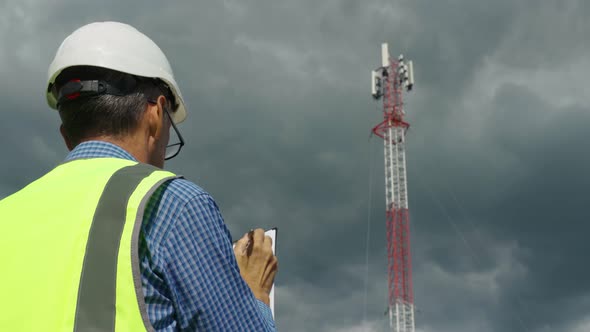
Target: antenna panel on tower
x,y
385,55
410,75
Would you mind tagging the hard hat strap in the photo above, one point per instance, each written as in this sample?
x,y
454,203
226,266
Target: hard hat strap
x,y
77,88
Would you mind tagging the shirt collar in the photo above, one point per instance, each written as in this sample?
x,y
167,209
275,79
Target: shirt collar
x,y
98,149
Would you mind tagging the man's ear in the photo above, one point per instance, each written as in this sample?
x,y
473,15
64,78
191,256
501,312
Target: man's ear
x,y
67,140
155,118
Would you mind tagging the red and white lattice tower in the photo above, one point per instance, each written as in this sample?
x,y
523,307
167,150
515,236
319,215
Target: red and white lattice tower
x,y
388,83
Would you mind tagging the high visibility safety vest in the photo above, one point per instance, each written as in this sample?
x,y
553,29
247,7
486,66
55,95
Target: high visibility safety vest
x,y
69,248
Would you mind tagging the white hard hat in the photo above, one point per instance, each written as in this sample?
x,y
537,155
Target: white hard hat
x,y
115,46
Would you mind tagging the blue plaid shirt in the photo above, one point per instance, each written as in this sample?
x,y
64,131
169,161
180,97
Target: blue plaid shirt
x,y
191,280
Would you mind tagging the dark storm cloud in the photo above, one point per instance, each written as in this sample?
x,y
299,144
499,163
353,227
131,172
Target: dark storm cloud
x,y
278,132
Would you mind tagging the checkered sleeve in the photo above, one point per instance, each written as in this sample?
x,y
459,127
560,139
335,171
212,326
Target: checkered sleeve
x,y
203,276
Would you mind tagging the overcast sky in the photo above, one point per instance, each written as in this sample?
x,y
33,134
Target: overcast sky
x,y
278,132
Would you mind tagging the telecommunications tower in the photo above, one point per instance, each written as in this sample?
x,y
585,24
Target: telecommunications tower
x,y
388,83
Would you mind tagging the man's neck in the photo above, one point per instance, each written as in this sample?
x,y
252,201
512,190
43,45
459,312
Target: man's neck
x,y
130,144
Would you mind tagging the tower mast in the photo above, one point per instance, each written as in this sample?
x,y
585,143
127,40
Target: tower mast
x,y
388,83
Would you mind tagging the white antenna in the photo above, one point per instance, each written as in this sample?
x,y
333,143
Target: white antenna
x,y
384,55
410,81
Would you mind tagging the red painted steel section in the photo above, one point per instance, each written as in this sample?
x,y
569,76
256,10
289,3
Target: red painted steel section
x,y
391,257
405,257
398,256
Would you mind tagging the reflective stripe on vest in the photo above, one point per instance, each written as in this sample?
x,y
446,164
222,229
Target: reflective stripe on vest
x,y
108,294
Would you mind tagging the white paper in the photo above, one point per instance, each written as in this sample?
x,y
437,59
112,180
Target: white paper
x,y
272,233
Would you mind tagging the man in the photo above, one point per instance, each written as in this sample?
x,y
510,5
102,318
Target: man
x,y
107,241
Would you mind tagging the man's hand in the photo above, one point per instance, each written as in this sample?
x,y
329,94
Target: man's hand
x,y
258,265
